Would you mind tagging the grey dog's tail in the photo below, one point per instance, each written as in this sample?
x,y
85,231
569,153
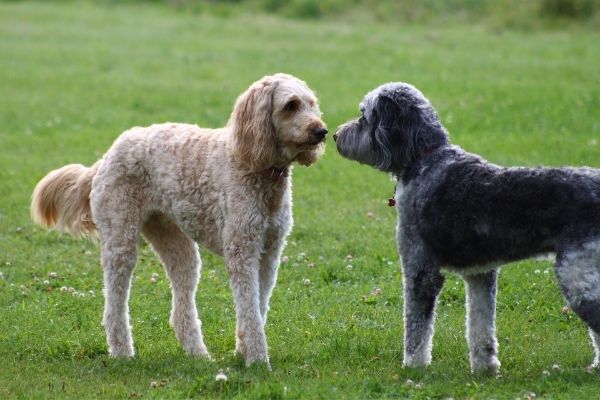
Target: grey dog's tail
x,y
61,200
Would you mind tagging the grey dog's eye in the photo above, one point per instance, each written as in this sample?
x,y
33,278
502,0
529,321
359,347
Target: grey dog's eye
x,y
291,106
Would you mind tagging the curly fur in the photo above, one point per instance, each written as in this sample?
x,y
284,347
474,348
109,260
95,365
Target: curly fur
x,y
179,185
457,211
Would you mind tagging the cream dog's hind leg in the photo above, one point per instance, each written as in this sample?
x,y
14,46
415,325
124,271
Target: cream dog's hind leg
x,y
180,257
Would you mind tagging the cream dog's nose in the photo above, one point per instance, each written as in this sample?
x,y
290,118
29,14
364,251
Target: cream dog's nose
x,y
320,133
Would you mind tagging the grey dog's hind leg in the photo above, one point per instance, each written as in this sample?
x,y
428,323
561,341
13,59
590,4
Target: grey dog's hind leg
x,y
481,321
578,272
421,289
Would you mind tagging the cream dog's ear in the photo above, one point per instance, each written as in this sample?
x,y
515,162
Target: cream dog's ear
x,y
253,132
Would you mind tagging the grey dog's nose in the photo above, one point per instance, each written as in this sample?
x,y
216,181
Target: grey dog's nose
x,y
320,133
335,137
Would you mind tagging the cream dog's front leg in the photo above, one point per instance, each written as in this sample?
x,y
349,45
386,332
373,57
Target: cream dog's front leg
x,y
242,254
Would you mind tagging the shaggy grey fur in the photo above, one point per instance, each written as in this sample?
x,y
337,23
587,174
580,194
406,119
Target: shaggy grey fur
x,y
457,211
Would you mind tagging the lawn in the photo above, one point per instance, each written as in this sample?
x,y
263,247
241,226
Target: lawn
x,y
75,75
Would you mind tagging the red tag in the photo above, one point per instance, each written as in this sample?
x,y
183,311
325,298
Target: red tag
x,y
391,202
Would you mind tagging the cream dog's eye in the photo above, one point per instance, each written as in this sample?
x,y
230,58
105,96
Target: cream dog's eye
x,y
291,106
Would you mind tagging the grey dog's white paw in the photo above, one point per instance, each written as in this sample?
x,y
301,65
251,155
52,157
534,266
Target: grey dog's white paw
x,y
416,360
489,366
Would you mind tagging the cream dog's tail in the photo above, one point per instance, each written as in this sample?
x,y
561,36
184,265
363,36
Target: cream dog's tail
x,y
61,200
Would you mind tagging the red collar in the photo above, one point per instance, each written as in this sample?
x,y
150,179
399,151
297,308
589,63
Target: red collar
x,y
274,173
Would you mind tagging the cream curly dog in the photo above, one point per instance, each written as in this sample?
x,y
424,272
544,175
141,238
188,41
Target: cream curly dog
x,y
227,189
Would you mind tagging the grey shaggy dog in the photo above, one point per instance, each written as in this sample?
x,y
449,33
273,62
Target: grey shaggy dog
x,y
459,212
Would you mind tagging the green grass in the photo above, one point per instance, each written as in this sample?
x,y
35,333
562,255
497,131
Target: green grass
x,y
518,14
74,75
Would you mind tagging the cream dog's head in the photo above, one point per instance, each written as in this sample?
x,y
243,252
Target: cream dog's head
x,y
277,121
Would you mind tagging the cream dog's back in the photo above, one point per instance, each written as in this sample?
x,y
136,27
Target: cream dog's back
x,y
180,170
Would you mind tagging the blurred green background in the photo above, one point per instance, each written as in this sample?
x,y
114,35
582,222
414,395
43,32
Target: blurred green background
x,y
515,81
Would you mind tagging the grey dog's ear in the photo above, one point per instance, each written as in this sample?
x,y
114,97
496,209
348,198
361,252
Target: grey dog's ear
x,y
409,99
408,125
253,131
399,98
396,132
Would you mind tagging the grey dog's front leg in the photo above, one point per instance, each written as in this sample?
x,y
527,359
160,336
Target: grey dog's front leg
x,y
481,321
422,285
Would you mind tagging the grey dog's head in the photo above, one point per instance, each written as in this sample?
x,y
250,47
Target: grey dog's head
x,y
398,126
